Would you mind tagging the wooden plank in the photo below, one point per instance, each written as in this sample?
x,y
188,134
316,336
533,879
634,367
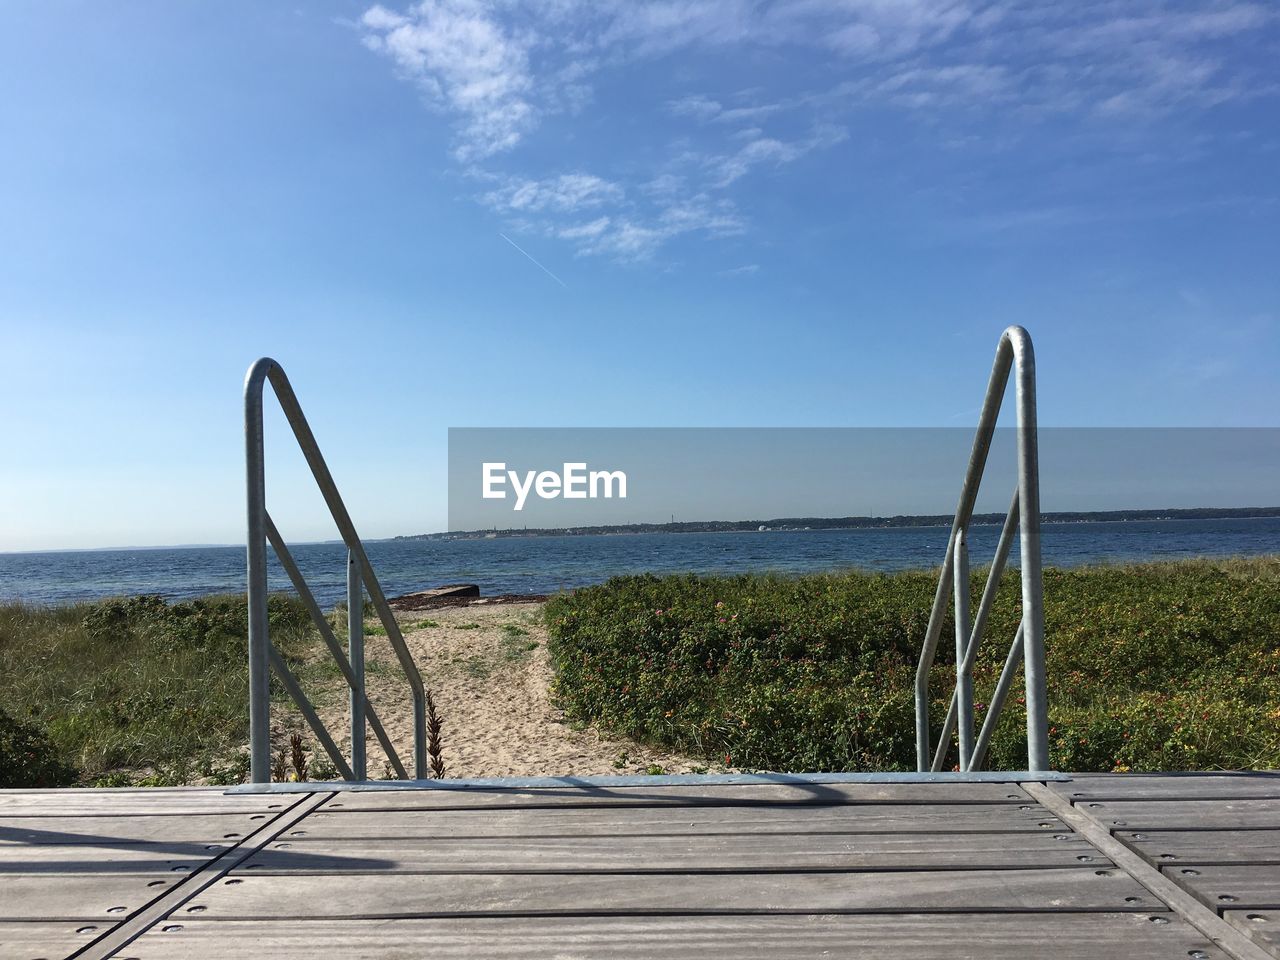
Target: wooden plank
x,y
718,854
88,802
1262,926
1176,898
716,794
1072,936
114,858
1249,886
1143,815
193,828
181,893
247,896
28,939
1164,847
647,821
1241,785
50,896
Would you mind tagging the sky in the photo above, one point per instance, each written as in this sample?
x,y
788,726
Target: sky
x,y
558,213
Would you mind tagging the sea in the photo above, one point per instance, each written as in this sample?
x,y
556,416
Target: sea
x,y
548,565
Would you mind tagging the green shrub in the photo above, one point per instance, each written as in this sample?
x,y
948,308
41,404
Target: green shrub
x,y
27,759
1158,666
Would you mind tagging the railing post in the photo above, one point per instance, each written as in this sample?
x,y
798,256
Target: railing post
x,y
256,543
1014,351
261,654
964,676
355,650
1029,548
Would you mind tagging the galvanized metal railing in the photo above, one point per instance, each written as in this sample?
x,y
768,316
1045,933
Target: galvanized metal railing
x,y
1014,352
360,577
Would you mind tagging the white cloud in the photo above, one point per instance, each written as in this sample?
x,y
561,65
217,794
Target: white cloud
x,y
566,193
466,61
696,106
927,87
624,228
707,110
585,231
770,151
500,68
632,239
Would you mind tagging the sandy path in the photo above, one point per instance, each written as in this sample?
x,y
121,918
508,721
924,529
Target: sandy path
x,y
488,670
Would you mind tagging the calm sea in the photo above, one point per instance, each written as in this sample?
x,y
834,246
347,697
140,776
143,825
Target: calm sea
x,y
551,564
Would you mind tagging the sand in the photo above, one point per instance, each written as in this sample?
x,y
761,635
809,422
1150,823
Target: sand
x,y
488,670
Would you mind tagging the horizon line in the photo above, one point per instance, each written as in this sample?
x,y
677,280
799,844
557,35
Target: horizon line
x,y
645,523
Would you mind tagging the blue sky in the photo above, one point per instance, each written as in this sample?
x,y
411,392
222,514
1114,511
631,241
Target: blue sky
x,y
810,213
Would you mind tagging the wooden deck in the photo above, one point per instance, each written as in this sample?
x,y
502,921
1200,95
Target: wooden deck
x,y
1096,867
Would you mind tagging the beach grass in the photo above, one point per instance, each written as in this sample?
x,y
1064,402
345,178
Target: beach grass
x,y
140,690
1158,666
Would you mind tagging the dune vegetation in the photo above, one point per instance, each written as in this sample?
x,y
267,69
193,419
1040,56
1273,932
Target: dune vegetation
x,y
1161,666
91,690
1164,666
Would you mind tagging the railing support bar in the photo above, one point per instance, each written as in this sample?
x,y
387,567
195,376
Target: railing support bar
x,y
355,649
330,641
1011,664
964,512
964,679
309,714
421,768
931,636
994,576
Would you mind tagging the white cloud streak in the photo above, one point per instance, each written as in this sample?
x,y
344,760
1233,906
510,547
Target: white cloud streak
x,y
535,262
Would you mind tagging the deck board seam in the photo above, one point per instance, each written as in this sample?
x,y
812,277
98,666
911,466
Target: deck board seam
x,y
623,913
1223,934
198,881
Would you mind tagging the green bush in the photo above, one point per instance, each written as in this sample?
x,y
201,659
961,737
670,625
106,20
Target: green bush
x,y
27,759
1155,667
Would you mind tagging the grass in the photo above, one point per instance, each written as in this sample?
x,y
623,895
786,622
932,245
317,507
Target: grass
x,y
513,647
141,684
1170,666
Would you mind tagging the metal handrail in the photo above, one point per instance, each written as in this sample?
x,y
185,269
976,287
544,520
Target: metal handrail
x,y
360,577
1013,352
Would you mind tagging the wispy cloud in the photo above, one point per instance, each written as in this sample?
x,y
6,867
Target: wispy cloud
x,y
567,193
466,61
768,151
500,69
703,108
637,235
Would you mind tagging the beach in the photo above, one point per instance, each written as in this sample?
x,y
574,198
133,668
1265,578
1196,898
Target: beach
x,y
488,670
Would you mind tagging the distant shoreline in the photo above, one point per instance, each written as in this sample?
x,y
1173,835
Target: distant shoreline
x,y
849,523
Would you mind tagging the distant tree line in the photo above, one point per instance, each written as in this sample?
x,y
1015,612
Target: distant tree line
x,y
854,523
